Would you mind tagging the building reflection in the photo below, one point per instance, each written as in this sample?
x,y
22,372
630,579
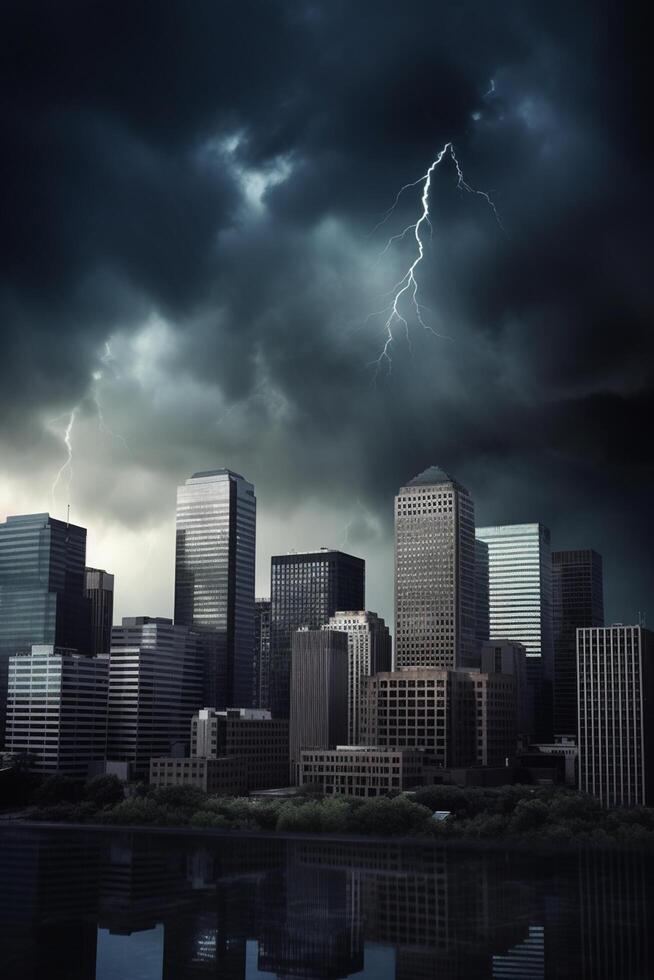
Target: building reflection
x,y
315,909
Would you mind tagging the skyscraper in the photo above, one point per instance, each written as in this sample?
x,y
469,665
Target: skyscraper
x,y
520,605
214,579
42,599
261,666
615,676
306,589
370,649
434,573
318,696
577,602
100,591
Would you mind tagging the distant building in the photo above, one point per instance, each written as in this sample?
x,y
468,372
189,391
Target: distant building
x,y
520,605
482,607
577,602
224,775
250,733
214,579
261,665
319,676
355,770
510,657
370,650
42,599
99,589
155,686
57,710
306,589
434,573
615,676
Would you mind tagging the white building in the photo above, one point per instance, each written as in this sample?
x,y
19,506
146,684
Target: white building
x,y
370,650
57,709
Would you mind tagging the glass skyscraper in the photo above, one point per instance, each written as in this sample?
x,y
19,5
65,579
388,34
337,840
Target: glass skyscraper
x,y
100,591
42,600
434,573
520,605
214,579
306,589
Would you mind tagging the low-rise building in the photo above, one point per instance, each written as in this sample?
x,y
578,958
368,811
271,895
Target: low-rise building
x,y
250,733
361,770
225,775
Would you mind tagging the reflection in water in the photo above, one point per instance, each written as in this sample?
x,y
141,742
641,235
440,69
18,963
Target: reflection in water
x,y
158,907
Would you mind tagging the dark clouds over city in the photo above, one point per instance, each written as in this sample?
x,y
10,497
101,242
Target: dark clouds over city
x,y
188,260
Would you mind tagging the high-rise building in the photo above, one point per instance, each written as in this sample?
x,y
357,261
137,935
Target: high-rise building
x,y
615,676
434,573
57,709
214,579
318,716
100,590
482,611
509,657
42,599
577,602
261,666
370,649
155,687
306,589
520,606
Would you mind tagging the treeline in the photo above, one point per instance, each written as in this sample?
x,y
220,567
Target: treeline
x,y
510,813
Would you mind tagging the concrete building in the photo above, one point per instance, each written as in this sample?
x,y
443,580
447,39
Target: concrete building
x,y
99,590
360,770
42,599
214,579
261,665
306,589
434,573
510,657
319,681
577,603
520,605
497,718
223,775
615,677
57,710
249,733
155,686
370,650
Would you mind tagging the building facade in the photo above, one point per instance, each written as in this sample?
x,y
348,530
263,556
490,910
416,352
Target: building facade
x,y
249,733
351,770
509,657
57,710
520,606
306,589
224,775
99,590
482,602
214,579
434,573
155,687
615,678
261,665
318,709
577,603
42,599
370,650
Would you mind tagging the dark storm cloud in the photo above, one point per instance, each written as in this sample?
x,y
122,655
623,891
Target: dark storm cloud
x,y
132,136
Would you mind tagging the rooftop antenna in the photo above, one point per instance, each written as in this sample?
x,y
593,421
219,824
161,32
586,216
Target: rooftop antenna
x,y
68,516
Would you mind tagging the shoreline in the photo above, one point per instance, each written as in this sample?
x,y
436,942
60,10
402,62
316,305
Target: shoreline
x,y
496,845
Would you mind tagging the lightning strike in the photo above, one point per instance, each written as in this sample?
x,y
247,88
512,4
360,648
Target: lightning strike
x,y
405,291
67,466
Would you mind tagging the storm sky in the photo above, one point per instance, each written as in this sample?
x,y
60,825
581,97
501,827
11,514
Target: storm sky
x,y
189,261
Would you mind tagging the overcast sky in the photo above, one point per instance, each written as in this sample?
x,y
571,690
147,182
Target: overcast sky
x,y
190,264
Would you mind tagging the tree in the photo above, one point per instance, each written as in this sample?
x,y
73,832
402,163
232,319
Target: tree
x,y
104,790
57,789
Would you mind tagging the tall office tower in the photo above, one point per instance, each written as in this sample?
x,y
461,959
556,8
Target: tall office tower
x,y
520,606
482,603
615,677
507,657
100,591
214,579
261,667
370,649
306,589
155,687
57,709
577,602
434,573
42,597
318,703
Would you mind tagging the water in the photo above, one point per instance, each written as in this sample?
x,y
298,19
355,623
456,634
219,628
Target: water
x,y
120,906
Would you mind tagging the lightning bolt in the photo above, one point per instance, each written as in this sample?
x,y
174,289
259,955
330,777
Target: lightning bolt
x,y
67,466
406,289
